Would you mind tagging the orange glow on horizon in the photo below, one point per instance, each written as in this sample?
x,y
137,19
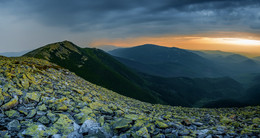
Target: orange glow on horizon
x,y
239,41
249,45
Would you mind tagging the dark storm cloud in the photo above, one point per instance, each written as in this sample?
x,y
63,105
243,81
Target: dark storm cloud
x,y
141,17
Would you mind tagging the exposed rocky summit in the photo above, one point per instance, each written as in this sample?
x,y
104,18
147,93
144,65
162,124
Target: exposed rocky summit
x,y
41,99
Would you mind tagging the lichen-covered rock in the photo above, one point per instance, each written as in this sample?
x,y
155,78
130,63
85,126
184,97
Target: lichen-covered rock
x,y
23,110
143,132
32,113
86,99
1,97
16,91
25,83
33,96
65,125
42,107
12,103
12,114
52,117
101,120
83,115
161,124
39,131
131,116
122,123
44,120
62,107
78,91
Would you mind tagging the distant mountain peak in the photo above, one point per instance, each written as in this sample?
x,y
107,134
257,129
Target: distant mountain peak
x,y
151,45
157,47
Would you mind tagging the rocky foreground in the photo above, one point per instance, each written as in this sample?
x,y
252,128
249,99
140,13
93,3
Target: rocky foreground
x,y
40,99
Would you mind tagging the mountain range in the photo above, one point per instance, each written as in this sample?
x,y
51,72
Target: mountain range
x,y
124,75
174,62
165,62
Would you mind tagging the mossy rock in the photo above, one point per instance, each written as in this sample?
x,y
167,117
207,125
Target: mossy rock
x,y
143,132
39,131
52,117
42,107
32,113
12,114
86,99
12,103
122,123
33,96
62,107
44,120
65,125
132,116
1,97
161,124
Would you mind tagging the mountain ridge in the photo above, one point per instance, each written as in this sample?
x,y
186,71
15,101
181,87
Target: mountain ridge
x,y
96,66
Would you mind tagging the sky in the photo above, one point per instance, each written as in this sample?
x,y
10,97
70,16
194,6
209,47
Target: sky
x,y
227,25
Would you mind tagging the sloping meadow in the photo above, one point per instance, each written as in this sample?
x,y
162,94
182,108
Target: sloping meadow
x,y
41,99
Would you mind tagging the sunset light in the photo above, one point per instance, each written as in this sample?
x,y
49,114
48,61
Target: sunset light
x,y
238,41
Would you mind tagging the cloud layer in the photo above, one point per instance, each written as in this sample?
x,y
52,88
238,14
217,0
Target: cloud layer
x,y
132,18
142,17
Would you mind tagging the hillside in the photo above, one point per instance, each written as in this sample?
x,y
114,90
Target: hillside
x,y
41,99
97,67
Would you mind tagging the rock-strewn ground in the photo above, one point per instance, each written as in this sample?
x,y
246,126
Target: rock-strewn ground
x,y
40,99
